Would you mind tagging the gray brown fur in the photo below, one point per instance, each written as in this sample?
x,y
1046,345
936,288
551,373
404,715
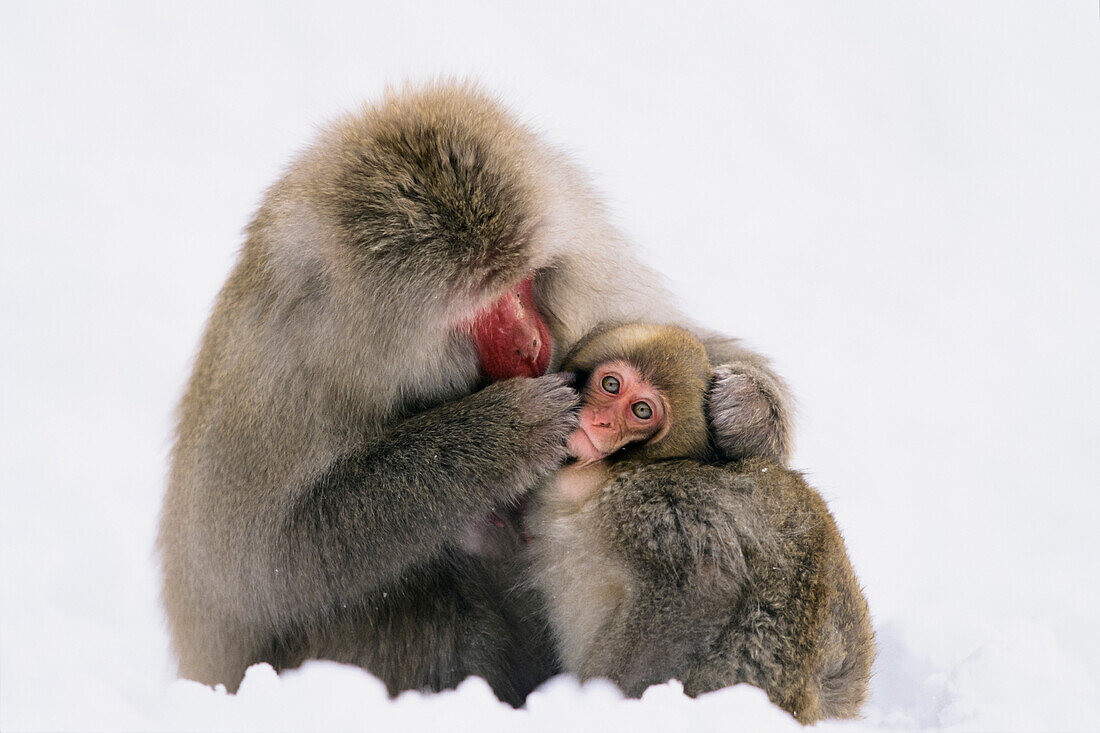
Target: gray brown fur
x,y
750,407
710,574
335,436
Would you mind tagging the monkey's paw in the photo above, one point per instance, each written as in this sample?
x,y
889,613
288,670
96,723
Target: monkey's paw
x,y
547,410
749,414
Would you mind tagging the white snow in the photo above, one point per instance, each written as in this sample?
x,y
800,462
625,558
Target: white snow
x,y
899,202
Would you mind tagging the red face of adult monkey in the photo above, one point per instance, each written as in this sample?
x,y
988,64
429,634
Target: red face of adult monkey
x,y
511,337
339,433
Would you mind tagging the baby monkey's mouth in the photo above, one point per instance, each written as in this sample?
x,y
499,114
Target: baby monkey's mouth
x,y
583,449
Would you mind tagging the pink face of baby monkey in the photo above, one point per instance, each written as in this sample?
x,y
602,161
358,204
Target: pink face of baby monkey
x,y
620,407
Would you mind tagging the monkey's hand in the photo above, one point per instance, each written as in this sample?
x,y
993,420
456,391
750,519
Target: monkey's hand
x,y
749,412
546,413
490,447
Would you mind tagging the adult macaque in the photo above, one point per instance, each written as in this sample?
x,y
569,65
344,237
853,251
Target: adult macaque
x,y
354,408
654,564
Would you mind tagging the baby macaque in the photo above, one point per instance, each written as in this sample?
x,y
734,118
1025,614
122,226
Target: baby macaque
x,y
654,562
643,390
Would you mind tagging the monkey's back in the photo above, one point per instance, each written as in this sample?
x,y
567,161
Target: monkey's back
x,y
801,627
740,575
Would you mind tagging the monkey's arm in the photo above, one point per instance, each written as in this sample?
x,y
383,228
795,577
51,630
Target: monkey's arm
x,y
687,532
750,405
401,499
674,520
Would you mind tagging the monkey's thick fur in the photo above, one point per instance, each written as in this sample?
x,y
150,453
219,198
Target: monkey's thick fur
x,y
336,435
665,563
710,574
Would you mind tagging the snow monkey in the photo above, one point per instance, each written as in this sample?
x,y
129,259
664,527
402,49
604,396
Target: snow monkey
x,y
373,381
656,562
643,399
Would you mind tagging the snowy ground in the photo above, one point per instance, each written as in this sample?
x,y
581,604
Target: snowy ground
x,y
900,202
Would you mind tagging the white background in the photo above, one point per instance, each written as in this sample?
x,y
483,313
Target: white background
x,y
897,201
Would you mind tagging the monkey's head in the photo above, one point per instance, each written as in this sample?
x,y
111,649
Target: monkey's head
x,y
644,391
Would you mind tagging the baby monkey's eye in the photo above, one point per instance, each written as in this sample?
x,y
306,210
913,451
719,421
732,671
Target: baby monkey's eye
x,y
642,410
610,384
